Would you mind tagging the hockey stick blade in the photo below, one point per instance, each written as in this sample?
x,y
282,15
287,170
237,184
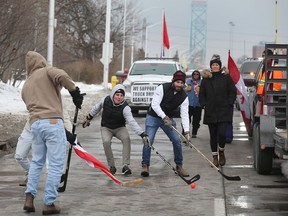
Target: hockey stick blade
x,y
230,178
132,183
190,181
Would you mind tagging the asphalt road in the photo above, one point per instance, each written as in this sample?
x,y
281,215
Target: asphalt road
x,y
91,192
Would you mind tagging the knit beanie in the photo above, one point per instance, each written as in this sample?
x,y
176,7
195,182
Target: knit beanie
x,y
120,91
216,59
179,75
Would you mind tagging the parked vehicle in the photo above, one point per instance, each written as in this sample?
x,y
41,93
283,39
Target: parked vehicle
x,y
248,71
270,128
143,78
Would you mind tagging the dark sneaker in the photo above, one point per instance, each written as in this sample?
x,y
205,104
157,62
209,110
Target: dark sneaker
x,y
194,136
29,203
113,170
126,170
51,209
24,183
181,171
145,170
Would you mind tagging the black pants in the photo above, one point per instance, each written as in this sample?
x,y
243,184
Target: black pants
x,y
194,117
217,135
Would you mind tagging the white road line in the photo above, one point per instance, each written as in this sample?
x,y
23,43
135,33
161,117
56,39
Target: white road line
x,y
219,207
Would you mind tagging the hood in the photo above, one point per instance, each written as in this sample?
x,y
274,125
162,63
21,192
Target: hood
x,y
34,61
151,78
116,88
199,75
206,73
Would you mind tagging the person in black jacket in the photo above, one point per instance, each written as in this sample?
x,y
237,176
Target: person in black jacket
x,y
217,96
167,98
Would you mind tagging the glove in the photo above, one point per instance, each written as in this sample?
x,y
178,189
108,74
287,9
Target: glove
x,y
187,136
70,137
188,88
77,97
145,138
167,121
86,122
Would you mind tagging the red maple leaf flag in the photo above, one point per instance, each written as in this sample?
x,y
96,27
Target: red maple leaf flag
x,y
166,43
242,95
93,162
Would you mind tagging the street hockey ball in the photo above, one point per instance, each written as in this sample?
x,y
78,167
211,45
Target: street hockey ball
x,y
192,185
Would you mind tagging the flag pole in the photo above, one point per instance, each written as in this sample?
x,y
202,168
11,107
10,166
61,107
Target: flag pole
x,y
162,54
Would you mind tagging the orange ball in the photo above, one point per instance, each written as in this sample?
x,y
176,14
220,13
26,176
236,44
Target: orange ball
x,y
192,185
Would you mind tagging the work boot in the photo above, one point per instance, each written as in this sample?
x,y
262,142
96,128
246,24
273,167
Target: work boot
x,y
222,159
126,170
181,171
215,160
24,183
145,170
29,203
51,209
113,170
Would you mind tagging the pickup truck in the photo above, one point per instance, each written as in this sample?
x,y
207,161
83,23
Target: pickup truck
x,y
143,78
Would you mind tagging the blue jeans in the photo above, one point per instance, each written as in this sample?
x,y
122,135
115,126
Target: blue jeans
x,y
23,147
48,139
152,125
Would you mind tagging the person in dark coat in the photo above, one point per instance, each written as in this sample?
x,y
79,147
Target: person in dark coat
x,y
217,96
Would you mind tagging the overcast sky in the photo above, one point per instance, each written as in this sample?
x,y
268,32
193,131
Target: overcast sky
x,y
254,21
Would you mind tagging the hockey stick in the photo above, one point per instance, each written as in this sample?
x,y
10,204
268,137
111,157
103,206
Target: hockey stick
x,y
188,181
93,162
230,178
64,177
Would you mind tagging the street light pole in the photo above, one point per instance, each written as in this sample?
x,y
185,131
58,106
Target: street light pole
x,y
107,45
124,37
51,24
146,37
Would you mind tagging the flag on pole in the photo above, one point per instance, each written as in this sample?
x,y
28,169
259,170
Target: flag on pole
x,y
166,43
93,162
242,95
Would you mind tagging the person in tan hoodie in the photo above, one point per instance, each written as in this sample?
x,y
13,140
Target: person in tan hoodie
x,y
41,94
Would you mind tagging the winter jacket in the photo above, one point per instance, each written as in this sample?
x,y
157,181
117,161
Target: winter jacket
x,y
41,90
192,92
115,115
217,96
166,101
170,101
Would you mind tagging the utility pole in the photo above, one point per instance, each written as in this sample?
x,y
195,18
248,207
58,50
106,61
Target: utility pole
x,y
51,25
106,54
124,37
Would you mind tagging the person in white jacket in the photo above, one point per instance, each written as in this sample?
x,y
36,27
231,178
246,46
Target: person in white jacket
x,y
116,113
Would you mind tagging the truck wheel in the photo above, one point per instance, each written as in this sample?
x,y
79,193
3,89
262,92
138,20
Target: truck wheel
x,y
263,158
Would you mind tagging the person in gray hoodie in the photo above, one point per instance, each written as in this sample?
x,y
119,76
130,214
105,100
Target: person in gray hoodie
x,y
116,113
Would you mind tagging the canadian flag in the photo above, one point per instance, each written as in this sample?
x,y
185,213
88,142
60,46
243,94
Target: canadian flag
x,y
93,162
242,95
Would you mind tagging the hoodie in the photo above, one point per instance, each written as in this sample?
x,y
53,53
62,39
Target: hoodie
x,y
41,90
115,115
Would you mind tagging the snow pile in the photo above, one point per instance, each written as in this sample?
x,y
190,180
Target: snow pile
x,y
12,103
